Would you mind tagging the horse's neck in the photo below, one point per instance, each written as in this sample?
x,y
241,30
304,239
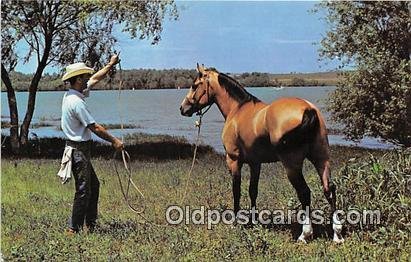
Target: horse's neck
x,y
226,104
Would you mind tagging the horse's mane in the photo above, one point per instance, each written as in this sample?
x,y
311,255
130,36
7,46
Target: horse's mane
x,y
234,88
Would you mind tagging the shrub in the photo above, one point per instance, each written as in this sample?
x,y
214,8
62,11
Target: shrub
x,y
382,184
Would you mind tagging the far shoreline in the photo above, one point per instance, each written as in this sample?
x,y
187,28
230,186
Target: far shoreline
x,y
172,88
152,79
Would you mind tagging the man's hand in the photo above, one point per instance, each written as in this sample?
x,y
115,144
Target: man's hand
x,y
114,60
117,144
101,132
103,72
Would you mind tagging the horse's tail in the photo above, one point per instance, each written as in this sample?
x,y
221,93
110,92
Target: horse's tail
x,y
310,123
305,132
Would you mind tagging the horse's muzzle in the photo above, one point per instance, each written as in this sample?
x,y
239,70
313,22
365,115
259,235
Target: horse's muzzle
x,y
187,110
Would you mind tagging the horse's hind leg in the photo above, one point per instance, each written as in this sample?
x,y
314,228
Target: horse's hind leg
x,y
293,166
322,165
323,170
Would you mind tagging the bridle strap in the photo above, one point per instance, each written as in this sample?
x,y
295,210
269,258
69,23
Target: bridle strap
x,y
200,113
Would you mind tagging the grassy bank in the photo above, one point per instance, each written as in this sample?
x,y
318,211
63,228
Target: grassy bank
x,y
35,208
139,145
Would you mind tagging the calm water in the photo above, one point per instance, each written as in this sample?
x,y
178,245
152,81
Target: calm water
x,y
157,112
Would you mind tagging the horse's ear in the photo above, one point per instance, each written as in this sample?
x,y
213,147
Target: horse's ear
x,y
200,69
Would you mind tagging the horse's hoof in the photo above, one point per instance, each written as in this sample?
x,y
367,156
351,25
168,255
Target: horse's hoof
x,y
301,240
304,239
306,234
338,239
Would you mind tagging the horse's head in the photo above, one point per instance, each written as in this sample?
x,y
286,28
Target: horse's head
x,y
200,94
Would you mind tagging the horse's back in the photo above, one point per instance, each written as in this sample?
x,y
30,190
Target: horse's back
x,y
257,129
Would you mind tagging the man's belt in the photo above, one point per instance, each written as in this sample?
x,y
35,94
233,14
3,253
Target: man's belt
x,y
78,144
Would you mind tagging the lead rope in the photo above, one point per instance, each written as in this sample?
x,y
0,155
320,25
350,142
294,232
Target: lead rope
x,y
198,125
126,159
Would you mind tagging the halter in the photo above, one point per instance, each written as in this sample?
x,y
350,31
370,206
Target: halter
x,y
199,112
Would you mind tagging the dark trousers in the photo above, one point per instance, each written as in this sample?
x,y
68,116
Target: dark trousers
x,y
87,187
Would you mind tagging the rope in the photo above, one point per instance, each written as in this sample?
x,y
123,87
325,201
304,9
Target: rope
x,y
125,193
126,159
198,124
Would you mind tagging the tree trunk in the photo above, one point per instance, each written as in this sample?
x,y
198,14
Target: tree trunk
x,y
24,130
14,116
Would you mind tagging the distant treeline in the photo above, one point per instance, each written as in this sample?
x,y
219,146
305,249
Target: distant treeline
x,y
177,78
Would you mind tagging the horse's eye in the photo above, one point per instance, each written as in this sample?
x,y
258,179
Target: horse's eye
x,y
195,85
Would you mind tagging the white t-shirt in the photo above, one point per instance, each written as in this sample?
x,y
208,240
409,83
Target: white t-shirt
x,y
75,117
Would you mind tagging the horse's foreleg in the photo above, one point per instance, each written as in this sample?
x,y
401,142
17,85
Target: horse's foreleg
x,y
234,166
253,189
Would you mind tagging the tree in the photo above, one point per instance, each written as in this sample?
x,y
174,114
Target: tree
x,y
61,32
375,39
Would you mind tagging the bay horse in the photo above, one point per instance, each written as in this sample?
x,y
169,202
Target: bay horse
x,y
288,130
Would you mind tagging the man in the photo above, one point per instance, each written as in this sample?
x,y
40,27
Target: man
x,y
77,124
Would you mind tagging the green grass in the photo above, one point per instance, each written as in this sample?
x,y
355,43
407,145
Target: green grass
x,y
35,208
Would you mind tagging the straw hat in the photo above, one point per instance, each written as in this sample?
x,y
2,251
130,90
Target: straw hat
x,y
76,69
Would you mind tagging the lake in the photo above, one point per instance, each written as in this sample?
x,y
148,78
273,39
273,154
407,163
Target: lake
x,y
157,112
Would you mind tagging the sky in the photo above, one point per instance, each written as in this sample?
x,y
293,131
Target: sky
x,y
232,36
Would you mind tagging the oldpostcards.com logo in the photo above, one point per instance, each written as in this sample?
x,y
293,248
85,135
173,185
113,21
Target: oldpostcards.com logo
x,y
177,215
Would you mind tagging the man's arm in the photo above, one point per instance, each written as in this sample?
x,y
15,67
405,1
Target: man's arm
x,y
94,79
101,132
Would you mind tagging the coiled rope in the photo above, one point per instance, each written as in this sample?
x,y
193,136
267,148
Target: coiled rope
x,y
126,160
